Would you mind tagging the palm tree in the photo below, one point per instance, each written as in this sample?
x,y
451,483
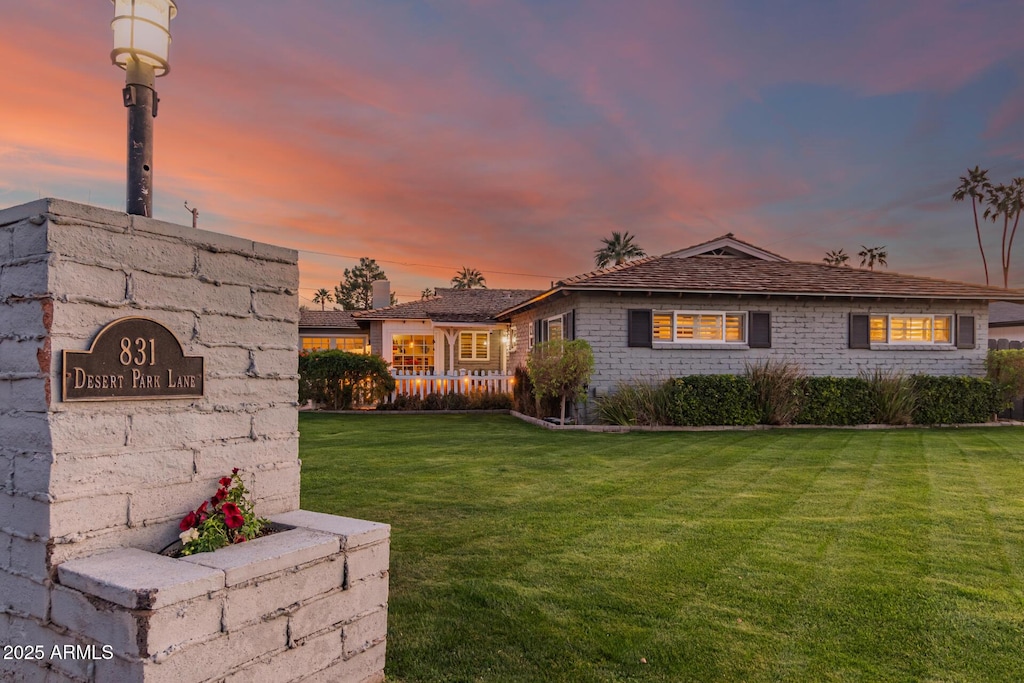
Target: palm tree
x,y
427,293
468,278
618,248
869,256
322,297
1006,201
976,186
836,257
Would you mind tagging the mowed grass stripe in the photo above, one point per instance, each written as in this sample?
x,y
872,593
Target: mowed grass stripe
x,y
519,554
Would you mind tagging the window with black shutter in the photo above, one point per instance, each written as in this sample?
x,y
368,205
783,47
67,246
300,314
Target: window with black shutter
x,y
860,331
638,327
760,336
965,331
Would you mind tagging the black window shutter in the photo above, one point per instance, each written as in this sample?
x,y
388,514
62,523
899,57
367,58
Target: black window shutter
x,y
760,334
639,327
538,328
965,332
569,325
860,333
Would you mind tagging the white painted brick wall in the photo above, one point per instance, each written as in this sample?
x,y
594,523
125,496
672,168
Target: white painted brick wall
x,y
810,332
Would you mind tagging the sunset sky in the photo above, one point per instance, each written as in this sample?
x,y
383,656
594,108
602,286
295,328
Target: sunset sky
x,y
512,136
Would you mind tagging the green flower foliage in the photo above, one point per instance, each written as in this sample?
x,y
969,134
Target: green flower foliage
x,y
228,517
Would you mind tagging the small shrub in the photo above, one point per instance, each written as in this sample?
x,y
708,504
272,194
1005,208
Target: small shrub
x,y
835,401
647,403
524,399
489,401
893,397
561,369
778,390
955,400
403,402
701,400
1005,368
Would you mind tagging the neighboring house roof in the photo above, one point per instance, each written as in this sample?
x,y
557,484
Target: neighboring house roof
x,y
1005,314
695,270
453,306
335,320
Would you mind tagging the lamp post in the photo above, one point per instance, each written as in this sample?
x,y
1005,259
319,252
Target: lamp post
x,y
142,39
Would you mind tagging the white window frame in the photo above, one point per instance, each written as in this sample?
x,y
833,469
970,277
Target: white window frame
x,y
473,335
673,326
560,321
888,329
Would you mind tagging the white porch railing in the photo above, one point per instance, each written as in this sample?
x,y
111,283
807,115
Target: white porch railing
x,y
413,383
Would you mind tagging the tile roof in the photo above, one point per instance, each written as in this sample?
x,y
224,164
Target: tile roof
x,y
454,305
341,320
710,274
753,276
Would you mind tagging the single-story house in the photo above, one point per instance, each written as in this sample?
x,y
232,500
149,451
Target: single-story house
x,y
332,330
722,305
454,332
1005,322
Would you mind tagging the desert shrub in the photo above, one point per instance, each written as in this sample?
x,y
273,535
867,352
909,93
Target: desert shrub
x,y
647,403
1005,368
338,379
699,400
893,397
778,390
835,401
955,400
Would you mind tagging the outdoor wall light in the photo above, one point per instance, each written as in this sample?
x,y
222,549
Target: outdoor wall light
x,y
142,40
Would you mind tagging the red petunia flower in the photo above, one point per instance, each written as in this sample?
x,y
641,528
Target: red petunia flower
x,y
225,481
234,470
234,521
188,522
219,496
201,512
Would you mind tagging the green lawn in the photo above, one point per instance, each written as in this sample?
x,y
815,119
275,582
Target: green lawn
x,y
520,554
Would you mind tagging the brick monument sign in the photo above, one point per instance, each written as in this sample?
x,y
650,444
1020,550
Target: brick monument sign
x,y
140,362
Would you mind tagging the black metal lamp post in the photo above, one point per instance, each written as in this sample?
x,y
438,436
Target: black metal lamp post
x,y
142,40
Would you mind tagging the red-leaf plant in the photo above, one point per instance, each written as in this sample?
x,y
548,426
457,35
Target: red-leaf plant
x,y
228,517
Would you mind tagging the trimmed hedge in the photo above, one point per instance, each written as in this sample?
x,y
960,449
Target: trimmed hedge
x,y
704,400
835,401
955,400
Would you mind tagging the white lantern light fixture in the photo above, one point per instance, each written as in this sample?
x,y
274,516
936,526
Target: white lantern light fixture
x,y
142,40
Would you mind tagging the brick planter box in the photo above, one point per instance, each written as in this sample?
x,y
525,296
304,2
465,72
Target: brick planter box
x,y
308,604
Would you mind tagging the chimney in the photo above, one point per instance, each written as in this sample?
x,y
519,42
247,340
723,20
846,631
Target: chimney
x,y
381,293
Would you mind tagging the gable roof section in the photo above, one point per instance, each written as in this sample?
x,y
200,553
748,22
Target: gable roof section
x,y
726,246
336,320
454,306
